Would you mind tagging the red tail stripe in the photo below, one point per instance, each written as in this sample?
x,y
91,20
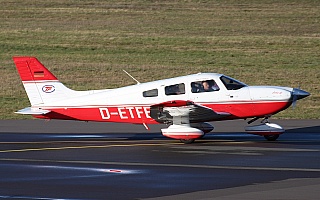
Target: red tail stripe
x,y
30,69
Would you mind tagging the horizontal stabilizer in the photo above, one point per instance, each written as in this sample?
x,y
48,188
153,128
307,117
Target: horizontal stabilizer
x,y
32,111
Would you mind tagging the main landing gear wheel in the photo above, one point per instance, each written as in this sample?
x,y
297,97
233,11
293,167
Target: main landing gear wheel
x,y
271,137
187,141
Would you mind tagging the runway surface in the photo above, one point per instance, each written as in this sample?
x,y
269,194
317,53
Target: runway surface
x,y
79,160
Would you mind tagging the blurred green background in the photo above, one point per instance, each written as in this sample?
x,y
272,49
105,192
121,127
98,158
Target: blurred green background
x,y
86,44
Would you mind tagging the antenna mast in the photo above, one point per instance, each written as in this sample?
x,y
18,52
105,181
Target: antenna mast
x,y
131,76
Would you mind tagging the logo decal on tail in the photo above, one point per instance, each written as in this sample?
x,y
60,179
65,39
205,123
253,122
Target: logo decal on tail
x,y
48,88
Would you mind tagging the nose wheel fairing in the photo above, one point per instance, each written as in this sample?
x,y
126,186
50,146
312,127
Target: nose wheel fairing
x,y
270,131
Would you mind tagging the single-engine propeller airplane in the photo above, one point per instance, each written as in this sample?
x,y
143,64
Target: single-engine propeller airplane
x,y
186,104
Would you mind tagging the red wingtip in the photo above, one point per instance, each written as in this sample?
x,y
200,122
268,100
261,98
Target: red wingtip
x,y
30,69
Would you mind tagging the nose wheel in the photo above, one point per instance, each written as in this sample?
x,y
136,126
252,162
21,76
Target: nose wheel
x,y
271,137
187,141
269,131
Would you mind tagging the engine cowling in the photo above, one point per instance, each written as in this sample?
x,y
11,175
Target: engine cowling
x,y
182,132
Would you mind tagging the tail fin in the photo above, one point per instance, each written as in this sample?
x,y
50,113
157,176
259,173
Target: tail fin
x,y
40,84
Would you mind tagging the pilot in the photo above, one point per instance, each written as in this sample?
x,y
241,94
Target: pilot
x,y
206,86
209,86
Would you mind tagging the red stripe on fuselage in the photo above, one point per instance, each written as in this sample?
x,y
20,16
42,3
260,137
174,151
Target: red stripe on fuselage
x,y
125,114
141,113
249,109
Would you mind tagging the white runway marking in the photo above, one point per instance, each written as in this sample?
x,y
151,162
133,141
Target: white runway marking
x,y
170,165
75,136
119,171
26,197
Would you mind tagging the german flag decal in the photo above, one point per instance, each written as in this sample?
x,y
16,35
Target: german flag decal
x,y
38,74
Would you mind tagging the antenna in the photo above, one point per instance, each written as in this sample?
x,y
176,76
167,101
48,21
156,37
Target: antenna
x,y
131,76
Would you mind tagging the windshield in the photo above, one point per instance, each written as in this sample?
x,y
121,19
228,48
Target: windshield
x,y
231,84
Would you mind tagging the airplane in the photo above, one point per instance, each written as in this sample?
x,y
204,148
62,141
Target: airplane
x,y
186,103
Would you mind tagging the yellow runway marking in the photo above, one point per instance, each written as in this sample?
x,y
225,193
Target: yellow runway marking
x,y
166,165
72,141
83,147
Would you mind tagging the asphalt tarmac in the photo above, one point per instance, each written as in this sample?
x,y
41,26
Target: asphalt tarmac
x,y
79,160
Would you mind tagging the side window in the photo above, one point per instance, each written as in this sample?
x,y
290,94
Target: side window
x,y
175,89
231,84
204,86
150,93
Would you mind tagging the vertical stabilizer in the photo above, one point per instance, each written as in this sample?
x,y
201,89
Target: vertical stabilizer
x,y
40,84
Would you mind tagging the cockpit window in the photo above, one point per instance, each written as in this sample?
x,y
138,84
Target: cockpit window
x,y
150,93
204,86
231,84
175,89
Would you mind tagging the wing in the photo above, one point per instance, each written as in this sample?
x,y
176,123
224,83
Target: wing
x,y
184,112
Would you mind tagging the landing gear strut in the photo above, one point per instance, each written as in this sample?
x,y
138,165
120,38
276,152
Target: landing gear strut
x,y
269,131
265,120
